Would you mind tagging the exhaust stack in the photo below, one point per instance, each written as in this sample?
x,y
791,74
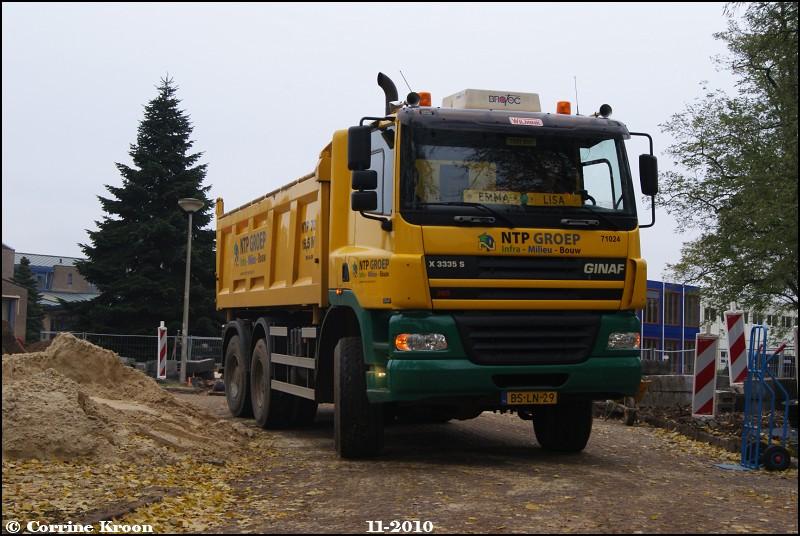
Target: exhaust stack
x,y
389,89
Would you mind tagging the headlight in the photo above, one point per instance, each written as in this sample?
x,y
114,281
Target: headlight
x,y
420,342
624,341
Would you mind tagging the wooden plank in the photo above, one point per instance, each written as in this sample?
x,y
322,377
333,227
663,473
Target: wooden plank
x,y
295,361
278,331
296,390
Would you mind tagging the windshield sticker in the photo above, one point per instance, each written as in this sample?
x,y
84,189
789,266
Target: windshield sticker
x,y
532,199
521,142
526,121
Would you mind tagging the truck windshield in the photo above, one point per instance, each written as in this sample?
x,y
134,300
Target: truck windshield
x,y
518,176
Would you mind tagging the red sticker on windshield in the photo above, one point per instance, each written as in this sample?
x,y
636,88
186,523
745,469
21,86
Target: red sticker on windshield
x,y
529,121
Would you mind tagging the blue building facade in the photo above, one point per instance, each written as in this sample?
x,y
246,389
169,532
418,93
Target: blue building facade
x,y
670,322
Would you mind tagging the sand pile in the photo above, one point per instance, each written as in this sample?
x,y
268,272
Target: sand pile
x,y
76,399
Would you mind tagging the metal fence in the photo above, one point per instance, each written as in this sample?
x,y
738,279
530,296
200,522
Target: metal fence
x,y
143,348
668,361
783,366
655,361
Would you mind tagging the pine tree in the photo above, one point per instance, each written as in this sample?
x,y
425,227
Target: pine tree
x,y
24,278
137,255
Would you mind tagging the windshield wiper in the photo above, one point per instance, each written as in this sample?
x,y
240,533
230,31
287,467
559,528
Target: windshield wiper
x,y
475,219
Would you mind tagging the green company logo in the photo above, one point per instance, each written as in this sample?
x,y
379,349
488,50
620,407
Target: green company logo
x,y
486,242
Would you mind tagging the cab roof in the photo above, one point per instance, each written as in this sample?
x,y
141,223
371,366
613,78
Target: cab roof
x,y
524,122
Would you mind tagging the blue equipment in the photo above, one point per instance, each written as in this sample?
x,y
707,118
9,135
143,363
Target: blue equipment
x,y
760,397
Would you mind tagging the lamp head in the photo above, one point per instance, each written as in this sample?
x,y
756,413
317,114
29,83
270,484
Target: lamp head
x,y
190,204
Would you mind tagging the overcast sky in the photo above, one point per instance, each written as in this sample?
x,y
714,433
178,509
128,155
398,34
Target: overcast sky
x,y
267,84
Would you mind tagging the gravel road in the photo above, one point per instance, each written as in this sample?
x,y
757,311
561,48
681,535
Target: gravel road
x,y
489,475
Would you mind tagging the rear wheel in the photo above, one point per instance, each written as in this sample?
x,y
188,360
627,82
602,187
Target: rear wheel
x,y
358,425
271,408
237,391
563,427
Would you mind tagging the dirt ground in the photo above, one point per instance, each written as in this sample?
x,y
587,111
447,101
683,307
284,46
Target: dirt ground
x,y
489,475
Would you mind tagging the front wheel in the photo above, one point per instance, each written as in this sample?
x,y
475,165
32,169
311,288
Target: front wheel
x,y
357,424
563,427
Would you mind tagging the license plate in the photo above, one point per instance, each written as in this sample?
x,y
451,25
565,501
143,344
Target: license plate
x,y
526,398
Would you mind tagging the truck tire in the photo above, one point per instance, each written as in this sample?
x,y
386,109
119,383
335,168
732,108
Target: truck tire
x,y
271,408
563,427
237,388
357,424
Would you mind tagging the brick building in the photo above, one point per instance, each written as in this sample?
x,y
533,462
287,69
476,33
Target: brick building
x,y
15,297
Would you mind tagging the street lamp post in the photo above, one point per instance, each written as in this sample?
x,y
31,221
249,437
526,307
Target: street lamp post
x,y
191,206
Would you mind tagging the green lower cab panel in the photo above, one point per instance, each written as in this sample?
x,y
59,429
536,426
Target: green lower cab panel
x,y
449,373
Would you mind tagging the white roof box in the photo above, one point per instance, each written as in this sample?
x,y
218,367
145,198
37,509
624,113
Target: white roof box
x,y
484,99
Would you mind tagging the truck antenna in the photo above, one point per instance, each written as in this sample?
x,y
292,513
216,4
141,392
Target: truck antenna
x,y
577,106
406,81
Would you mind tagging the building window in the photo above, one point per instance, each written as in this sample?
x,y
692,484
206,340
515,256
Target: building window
x,y
651,311
69,279
692,308
711,314
746,317
672,308
771,320
758,318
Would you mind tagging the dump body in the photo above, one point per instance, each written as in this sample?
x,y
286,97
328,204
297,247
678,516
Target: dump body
x,y
272,252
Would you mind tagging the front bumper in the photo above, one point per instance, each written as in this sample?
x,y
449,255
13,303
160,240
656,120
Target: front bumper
x,y
410,379
416,376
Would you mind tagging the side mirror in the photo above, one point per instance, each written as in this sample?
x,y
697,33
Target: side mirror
x,y
366,179
359,147
648,174
364,201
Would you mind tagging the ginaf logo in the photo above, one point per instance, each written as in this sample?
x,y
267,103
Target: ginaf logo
x,y
486,242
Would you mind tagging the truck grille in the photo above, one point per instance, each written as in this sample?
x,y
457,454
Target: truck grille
x,y
444,293
542,268
527,338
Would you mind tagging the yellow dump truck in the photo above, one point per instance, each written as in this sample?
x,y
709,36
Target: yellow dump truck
x,y
441,262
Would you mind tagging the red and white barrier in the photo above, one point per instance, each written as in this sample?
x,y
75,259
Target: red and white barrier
x,y
705,376
737,351
161,356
